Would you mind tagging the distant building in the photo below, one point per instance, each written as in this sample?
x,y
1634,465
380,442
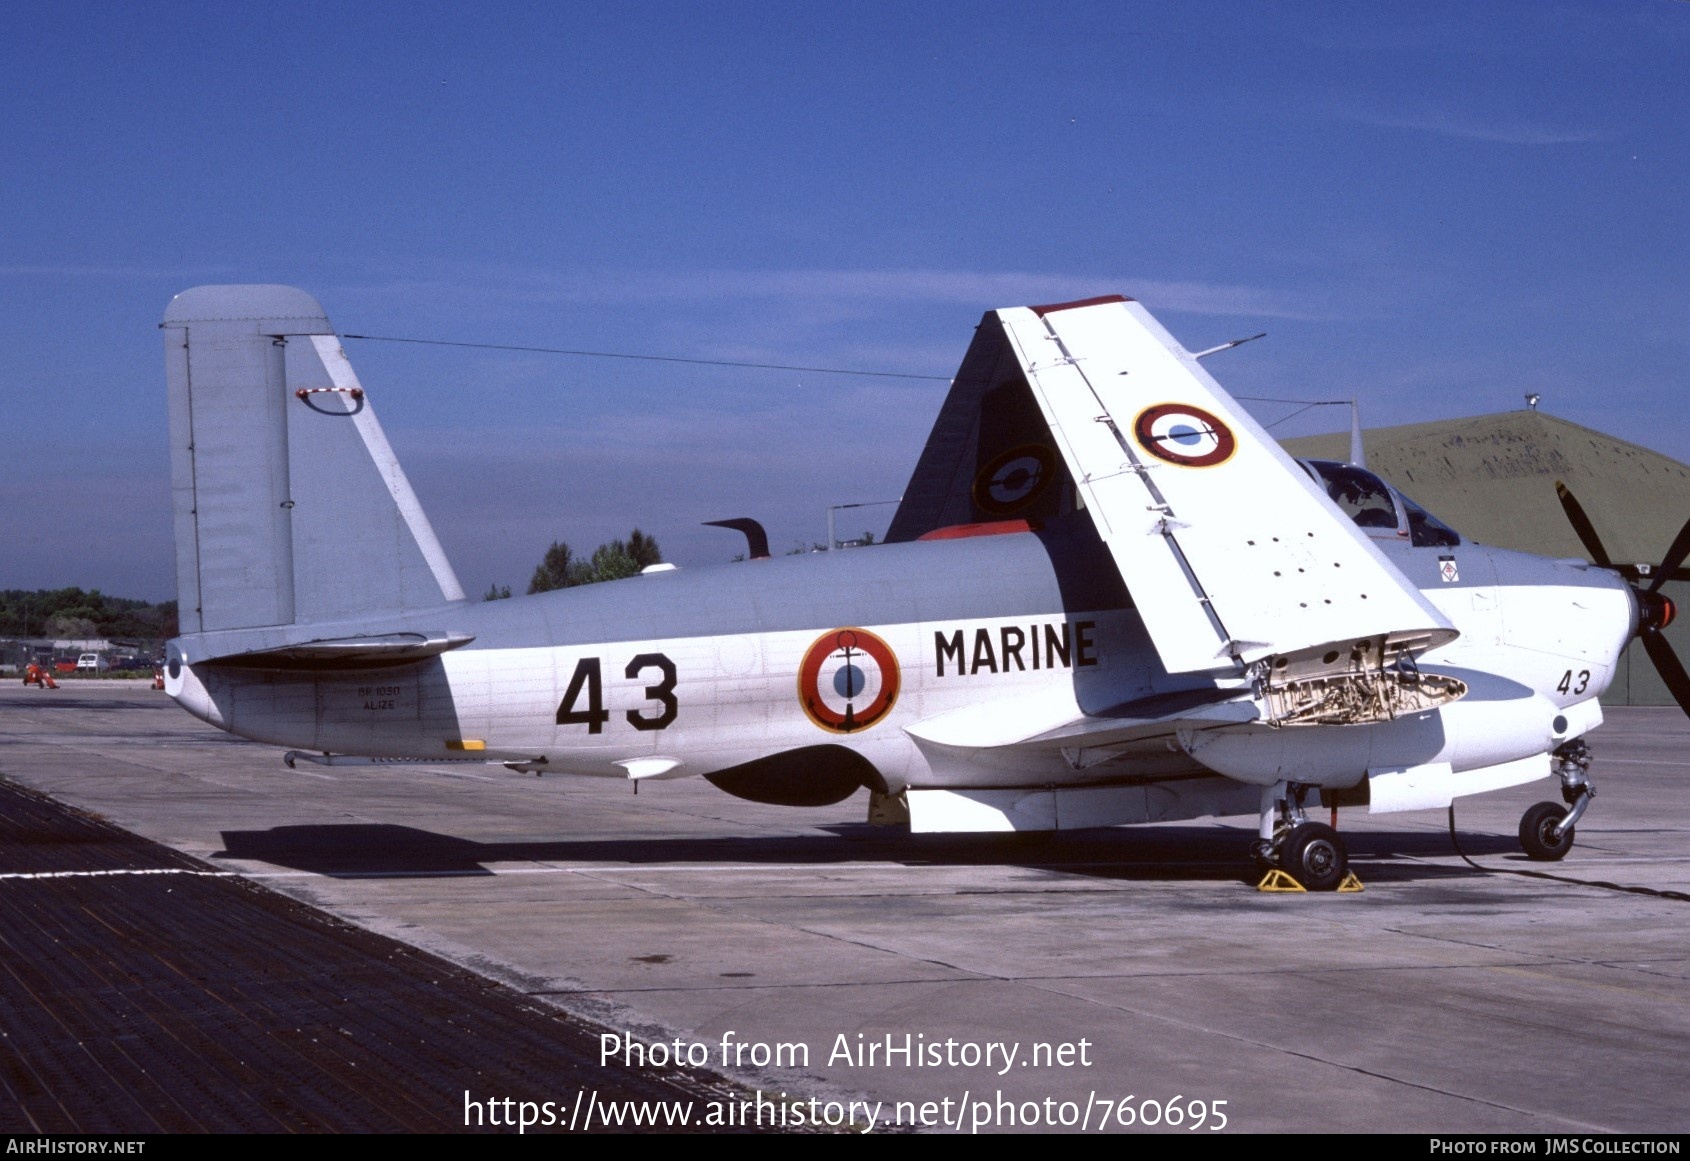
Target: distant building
x,y
1492,478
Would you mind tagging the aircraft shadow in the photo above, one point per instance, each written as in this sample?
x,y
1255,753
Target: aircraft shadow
x,y
79,705
365,850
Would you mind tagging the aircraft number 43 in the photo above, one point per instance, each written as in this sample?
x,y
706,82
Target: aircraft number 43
x,y
588,679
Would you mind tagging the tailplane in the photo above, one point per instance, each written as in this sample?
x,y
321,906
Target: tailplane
x,y
290,507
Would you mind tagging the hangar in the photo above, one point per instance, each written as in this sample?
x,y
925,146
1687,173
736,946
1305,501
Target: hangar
x,y
1492,478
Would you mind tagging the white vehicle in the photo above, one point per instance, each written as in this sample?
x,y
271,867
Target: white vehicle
x,y
91,663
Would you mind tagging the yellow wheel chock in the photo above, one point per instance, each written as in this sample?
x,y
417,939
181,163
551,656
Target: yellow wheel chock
x,y
1278,881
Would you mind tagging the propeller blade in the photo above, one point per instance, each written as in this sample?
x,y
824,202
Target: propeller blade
x,y
1668,666
1674,557
1585,529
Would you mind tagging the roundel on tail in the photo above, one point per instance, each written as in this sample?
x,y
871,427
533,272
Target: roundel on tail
x,y
1014,480
848,680
1182,434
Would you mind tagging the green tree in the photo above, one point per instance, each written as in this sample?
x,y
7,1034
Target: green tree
x,y
613,560
642,549
24,613
553,570
497,592
71,626
609,562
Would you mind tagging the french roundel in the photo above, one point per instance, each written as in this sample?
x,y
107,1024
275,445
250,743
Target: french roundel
x,y
1014,479
848,680
1183,434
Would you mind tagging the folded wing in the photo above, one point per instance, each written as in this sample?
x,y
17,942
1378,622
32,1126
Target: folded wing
x,y
1233,554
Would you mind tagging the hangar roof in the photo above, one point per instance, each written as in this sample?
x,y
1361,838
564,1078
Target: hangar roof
x,y
1492,478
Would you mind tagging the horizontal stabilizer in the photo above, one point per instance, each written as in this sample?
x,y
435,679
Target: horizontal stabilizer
x,y
346,652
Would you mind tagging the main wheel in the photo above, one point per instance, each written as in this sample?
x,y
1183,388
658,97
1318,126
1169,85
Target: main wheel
x,y
1537,832
1314,855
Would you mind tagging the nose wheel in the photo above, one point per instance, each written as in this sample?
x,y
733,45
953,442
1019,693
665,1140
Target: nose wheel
x,y
1541,834
1546,830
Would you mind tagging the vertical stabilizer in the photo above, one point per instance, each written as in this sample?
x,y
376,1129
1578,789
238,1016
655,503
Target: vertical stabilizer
x,y
990,455
290,507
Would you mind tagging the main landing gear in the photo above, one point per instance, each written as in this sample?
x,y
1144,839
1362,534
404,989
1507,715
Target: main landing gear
x,y
1546,830
1310,852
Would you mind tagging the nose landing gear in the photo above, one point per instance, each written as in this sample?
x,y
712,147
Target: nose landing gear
x,y
1546,829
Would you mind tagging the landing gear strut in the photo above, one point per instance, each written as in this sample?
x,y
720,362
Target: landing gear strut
x,y
1546,830
1310,852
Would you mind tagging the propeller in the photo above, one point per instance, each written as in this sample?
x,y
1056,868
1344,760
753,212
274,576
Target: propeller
x,y
1654,611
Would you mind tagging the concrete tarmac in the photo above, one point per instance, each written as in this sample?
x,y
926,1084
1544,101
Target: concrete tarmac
x,y
982,982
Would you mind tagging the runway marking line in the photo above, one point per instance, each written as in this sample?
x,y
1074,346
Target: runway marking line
x,y
128,871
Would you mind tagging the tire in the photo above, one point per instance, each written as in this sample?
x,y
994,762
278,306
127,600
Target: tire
x,y
1537,833
1315,856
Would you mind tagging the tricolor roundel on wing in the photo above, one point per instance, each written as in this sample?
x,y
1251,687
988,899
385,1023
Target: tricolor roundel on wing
x,y
848,680
1182,434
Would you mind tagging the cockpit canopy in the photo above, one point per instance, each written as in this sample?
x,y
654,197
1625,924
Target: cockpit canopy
x,y
1379,508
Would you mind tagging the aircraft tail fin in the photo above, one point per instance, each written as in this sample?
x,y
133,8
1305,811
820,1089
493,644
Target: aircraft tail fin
x,y
990,455
290,507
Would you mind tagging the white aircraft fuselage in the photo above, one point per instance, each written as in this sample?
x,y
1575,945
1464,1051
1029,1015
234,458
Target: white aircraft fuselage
x,y
1038,637
1112,599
